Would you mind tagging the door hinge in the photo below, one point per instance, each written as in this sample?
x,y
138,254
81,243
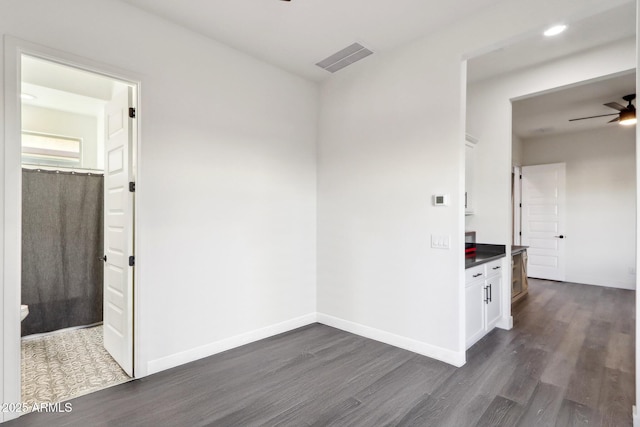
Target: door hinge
x,y
132,187
520,204
132,112
520,176
132,261
520,233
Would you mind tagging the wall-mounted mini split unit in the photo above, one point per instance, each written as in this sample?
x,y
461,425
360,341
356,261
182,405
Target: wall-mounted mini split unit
x,y
346,56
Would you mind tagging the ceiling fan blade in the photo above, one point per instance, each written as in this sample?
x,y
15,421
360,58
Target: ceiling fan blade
x,y
615,106
593,117
617,119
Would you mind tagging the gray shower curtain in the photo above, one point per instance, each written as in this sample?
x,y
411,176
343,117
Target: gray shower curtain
x,y
62,243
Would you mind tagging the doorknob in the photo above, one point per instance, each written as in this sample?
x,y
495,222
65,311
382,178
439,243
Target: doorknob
x,y
104,258
560,236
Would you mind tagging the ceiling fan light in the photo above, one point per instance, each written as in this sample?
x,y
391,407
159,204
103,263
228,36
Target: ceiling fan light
x,y
628,118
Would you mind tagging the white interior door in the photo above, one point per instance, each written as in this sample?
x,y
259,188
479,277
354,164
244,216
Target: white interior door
x,y
118,231
543,219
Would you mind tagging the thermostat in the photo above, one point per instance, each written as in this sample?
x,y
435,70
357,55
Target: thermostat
x,y
441,200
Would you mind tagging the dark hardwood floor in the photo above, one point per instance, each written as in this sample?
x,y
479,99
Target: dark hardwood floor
x,y
568,361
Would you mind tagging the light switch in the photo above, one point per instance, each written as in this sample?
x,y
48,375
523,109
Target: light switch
x,y
439,242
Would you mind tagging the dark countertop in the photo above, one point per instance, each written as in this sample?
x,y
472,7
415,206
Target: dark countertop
x,y
517,249
484,253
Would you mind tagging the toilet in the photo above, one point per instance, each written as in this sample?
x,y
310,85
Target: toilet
x,y
24,311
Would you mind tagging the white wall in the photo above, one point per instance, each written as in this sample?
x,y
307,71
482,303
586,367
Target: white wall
x,y
600,202
226,200
63,123
489,115
391,136
379,163
516,150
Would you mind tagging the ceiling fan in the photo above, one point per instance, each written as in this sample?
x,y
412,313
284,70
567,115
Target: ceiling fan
x,y
626,115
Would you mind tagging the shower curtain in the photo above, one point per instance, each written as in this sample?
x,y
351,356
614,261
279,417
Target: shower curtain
x,y
62,246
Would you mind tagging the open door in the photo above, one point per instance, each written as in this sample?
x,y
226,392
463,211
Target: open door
x,y
118,230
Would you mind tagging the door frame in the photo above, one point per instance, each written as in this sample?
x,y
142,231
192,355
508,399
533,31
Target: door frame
x,y
516,220
11,182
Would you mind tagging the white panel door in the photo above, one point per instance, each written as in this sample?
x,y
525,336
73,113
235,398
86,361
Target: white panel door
x,y
543,219
118,232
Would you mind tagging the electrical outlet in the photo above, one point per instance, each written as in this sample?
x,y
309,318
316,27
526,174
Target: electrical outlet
x,y
439,242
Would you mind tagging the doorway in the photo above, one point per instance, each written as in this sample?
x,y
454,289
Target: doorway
x,y
582,231
499,81
78,138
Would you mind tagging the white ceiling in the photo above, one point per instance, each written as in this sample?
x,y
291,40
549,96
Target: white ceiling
x,y
597,30
296,35
549,113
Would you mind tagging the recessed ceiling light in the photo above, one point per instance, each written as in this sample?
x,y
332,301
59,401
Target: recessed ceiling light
x,y
555,30
27,96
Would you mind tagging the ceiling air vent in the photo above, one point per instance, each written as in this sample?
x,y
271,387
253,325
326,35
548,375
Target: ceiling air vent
x,y
346,56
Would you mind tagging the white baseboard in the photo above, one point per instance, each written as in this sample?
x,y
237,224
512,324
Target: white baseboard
x,y
505,323
206,350
602,281
8,416
435,352
451,357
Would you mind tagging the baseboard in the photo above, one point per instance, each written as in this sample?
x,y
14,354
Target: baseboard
x,y
206,350
451,357
448,356
505,323
604,282
8,416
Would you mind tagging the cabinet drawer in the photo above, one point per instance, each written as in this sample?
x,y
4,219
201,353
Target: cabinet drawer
x,y
473,274
494,267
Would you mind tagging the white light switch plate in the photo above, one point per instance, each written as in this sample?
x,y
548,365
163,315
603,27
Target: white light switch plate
x,y
439,242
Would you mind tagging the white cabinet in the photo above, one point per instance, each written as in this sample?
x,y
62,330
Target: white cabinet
x,y
469,178
475,321
493,286
483,288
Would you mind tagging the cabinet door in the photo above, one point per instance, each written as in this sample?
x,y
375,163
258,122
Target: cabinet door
x,y
494,304
475,311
